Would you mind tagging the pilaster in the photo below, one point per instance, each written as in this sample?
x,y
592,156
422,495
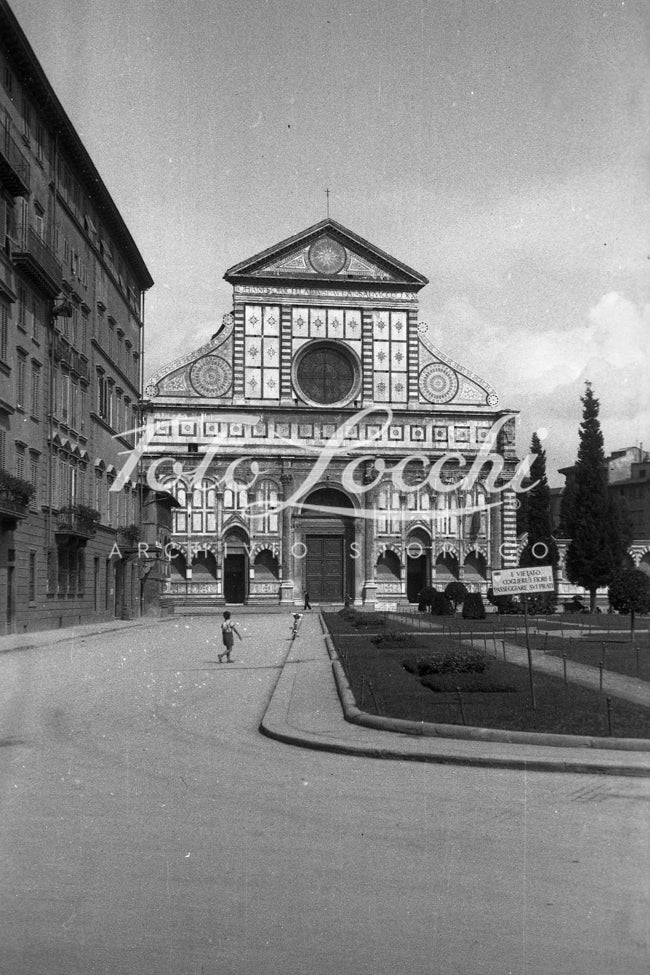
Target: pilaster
x,y
286,586
369,585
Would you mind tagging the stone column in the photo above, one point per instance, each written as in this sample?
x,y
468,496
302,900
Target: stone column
x,y
369,536
286,586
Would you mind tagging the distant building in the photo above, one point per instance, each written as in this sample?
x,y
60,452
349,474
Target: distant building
x,y
71,323
630,483
324,336
628,474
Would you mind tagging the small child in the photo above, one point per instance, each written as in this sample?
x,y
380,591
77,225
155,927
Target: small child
x,y
227,629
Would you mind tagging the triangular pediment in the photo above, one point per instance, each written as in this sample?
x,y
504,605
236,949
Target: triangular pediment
x,y
326,251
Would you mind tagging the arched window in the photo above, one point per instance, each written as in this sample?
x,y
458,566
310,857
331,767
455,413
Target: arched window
x,y
235,498
418,500
390,514
203,508
446,520
179,490
476,512
265,519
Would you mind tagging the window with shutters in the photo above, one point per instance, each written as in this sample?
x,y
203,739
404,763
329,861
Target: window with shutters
x,y
4,330
36,391
21,379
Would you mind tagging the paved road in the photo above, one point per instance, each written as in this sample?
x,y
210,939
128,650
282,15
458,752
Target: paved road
x,y
148,828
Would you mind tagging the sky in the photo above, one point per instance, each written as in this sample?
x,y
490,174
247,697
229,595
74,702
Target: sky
x,y
499,147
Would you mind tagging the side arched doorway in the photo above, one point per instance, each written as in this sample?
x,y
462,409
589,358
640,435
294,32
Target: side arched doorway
x,y
418,563
323,549
235,566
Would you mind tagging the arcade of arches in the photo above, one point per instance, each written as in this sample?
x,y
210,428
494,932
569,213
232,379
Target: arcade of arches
x,y
229,544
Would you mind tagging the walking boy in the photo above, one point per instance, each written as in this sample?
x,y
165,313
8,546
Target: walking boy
x,y
227,629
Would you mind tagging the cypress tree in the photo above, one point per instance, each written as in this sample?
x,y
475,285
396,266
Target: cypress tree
x,y
541,548
567,510
596,548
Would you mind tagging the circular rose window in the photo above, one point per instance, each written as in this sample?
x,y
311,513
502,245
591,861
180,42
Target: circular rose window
x,y
326,374
327,256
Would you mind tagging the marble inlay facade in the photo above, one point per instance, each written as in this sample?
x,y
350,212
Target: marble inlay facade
x,y
324,341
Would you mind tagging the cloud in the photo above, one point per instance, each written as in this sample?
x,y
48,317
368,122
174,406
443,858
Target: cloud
x,y
542,373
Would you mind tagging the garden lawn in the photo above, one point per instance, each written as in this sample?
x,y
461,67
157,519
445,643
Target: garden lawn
x,y
579,636
381,684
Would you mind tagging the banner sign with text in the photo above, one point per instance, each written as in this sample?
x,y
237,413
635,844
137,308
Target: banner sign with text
x,y
511,582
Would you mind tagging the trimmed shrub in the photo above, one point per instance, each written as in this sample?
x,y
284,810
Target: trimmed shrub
x,y
456,592
460,661
391,636
506,605
473,608
425,597
441,605
481,684
542,604
368,619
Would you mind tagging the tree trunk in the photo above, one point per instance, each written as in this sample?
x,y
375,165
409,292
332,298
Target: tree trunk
x,y
632,625
592,600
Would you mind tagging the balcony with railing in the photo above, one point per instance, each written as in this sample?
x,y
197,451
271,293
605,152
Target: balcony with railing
x,y
36,259
75,524
15,496
14,167
64,353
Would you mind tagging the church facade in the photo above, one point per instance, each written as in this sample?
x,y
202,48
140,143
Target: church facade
x,y
321,443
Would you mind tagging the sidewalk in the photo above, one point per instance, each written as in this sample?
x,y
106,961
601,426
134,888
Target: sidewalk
x,y
45,638
307,710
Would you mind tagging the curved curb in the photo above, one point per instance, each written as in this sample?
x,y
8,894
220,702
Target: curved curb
x,y
275,726
463,733
436,748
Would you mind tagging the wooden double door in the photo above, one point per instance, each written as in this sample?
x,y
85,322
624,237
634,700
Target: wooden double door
x,y
325,569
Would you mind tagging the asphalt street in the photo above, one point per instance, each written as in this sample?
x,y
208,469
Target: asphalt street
x,y
149,828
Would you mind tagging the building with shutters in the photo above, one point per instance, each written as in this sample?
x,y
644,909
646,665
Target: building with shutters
x,y
628,481
72,285
315,442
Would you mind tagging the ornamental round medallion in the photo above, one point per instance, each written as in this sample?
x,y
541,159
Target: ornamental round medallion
x,y
327,256
492,399
438,383
211,376
326,374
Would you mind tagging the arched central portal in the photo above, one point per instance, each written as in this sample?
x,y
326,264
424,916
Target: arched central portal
x,y
326,552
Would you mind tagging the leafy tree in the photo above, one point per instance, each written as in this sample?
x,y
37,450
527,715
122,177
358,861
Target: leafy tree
x,y
596,548
473,608
456,593
541,548
629,592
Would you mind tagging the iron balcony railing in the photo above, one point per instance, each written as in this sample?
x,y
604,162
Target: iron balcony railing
x,y
14,167
36,259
